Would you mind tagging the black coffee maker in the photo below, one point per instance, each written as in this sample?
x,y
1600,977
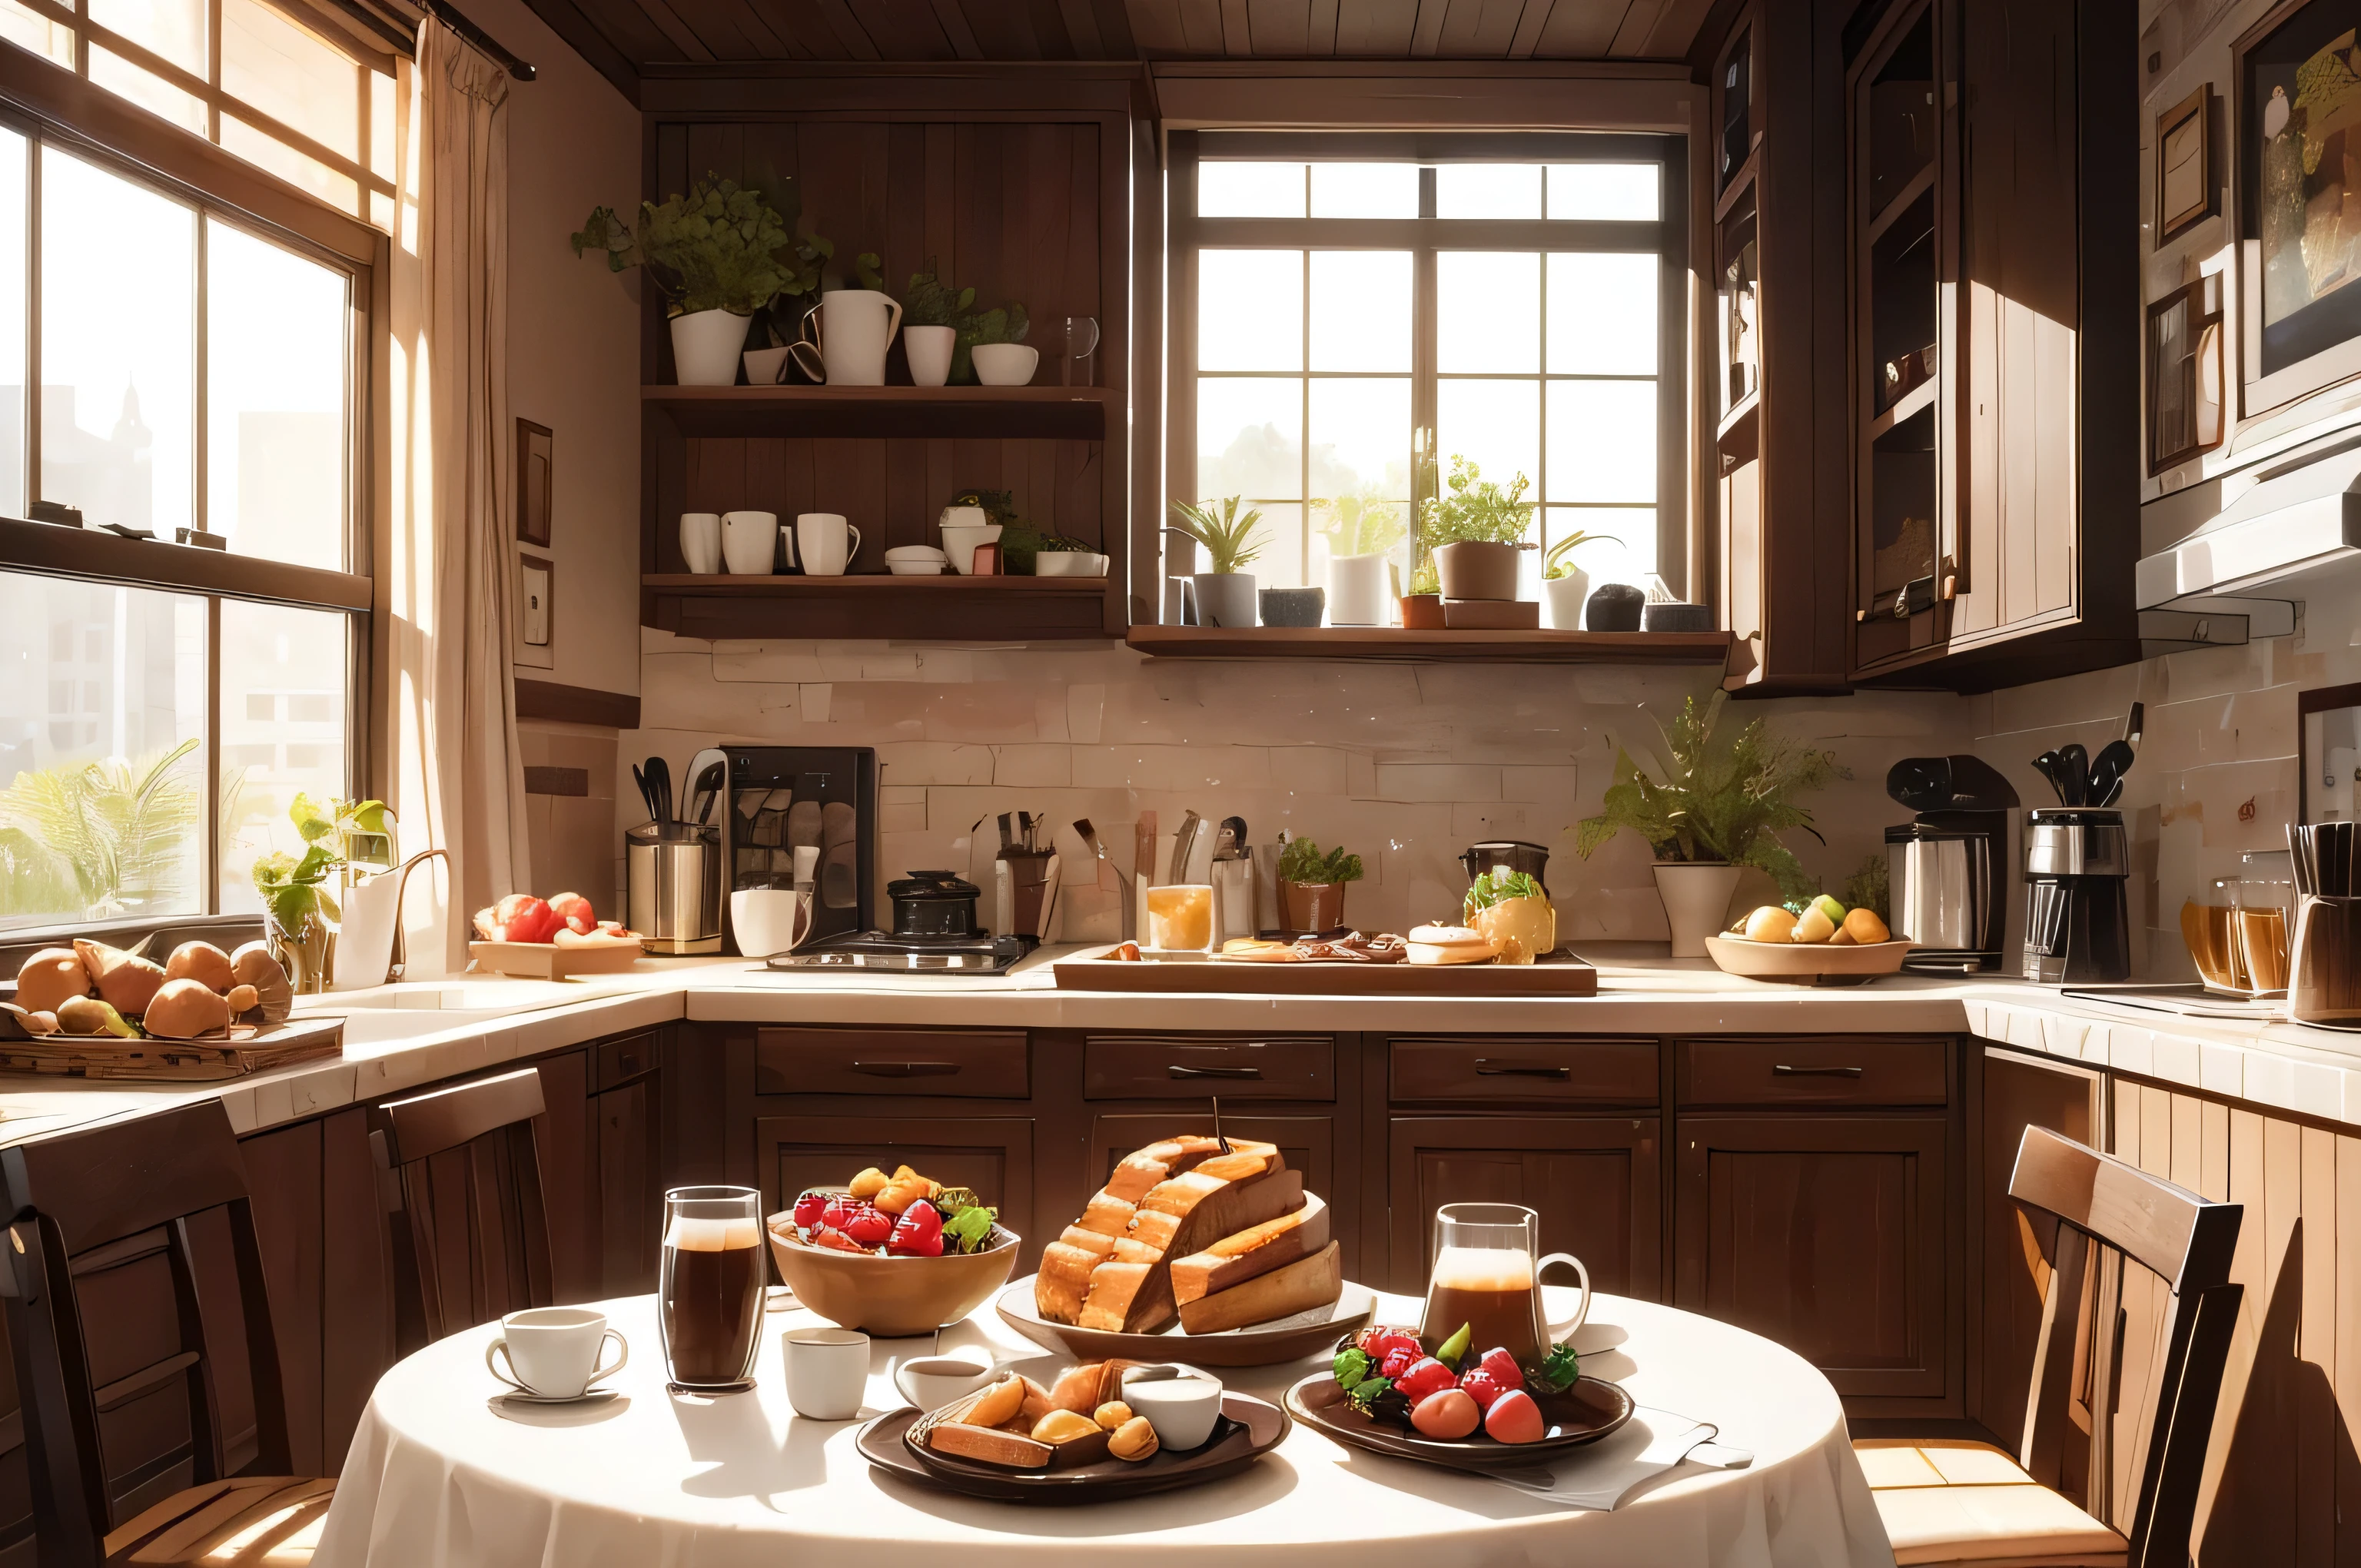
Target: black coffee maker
x,y
2077,922
1946,869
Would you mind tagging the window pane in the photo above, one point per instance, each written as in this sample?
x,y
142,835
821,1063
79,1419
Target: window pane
x,y
1250,190
1488,191
116,381
1280,561
1606,192
16,231
275,407
1250,310
1364,190
1627,557
1360,310
290,666
1495,424
148,91
295,77
1487,310
101,809
1602,313
1249,437
173,28
29,29
299,169
1360,438
1602,441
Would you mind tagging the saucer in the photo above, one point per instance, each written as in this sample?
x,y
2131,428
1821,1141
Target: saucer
x,y
587,1396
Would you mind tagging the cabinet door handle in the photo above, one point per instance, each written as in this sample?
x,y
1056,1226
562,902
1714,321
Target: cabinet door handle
x,y
1783,1070
1177,1070
906,1069
1486,1068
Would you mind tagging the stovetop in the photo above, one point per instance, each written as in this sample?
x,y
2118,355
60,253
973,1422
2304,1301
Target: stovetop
x,y
884,952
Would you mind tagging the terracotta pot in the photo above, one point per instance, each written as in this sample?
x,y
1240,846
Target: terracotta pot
x,y
1421,612
1311,906
1696,895
1477,571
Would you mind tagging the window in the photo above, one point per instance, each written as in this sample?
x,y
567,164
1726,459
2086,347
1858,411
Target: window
x,y
162,704
1351,314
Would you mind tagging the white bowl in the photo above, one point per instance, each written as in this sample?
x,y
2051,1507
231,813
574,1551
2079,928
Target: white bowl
x,y
914,569
1068,564
960,540
1004,363
915,553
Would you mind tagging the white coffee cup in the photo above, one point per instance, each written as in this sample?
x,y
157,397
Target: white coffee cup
x,y
1004,363
552,1351
931,1382
1181,1410
769,920
827,1371
750,542
826,542
700,541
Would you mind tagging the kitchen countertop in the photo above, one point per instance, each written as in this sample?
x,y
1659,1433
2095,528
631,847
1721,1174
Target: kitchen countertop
x,y
419,1032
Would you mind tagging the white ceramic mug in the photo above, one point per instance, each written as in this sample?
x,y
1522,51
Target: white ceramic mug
x,y
931,1382
1182,1410
769,920
765,367
750,542
700,541
929,350
826,542
850,330
552,1351
1004,363
828,1370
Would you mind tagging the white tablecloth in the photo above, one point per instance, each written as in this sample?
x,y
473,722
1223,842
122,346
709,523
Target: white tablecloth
x,y
441,1474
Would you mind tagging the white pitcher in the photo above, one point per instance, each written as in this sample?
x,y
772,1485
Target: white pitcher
x,y
850,330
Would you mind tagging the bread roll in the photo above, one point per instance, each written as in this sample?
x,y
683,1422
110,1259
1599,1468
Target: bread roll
x,y
202,962
49,978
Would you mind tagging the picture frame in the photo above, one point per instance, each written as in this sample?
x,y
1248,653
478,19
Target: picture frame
x,y
2188,390
537,458
536,610
2328,753
2187,190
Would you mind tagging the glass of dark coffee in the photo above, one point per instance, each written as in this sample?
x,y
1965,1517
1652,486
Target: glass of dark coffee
x,y
710,1298
1487,1276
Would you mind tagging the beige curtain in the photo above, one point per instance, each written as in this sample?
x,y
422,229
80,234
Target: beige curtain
x,y
458,773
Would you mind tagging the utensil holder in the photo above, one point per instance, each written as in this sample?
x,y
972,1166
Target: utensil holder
x,y
673,872
2325,978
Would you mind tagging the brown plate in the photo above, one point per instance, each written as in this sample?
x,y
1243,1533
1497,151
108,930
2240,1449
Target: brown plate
x,y
1260,1344
1584,1413
1249,1429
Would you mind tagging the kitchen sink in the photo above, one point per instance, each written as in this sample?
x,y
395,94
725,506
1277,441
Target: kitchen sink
x,y
481,996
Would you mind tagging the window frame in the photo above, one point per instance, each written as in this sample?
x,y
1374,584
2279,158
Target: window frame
x,y
1425,238
53,108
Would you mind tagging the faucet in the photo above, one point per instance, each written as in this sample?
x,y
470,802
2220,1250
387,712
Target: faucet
x,y
401,874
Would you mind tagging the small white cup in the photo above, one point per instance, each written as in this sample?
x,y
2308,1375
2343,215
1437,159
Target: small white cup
x,y
828,1370
552,1351
1181,1410
931,1382
1004,363
826,542
700,541
769,920
750,542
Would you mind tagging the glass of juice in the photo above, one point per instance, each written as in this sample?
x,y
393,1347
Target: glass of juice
x,y
1181,917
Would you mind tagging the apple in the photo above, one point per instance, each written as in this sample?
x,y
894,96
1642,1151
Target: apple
x,y
575,910
1448,1415
1514,1418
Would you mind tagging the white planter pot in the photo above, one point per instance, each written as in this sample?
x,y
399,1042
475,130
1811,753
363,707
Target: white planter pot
x,y
1562,596
704,347
1224,599
1697,898
928,349
1356,590
1004,363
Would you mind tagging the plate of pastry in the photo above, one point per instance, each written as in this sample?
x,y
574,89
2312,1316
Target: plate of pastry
x,y
1199,1249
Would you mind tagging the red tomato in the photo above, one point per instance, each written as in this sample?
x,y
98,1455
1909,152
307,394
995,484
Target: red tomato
x,y
533,921
575,910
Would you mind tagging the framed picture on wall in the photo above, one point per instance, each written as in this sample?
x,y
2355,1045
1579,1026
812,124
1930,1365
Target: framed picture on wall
x,y
536,450
2186,191
2185,374
536,610
2298,182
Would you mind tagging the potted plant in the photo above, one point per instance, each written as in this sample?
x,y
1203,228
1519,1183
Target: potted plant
x,y
717,254
298,912
1474,531
1564,584
1421,608
1312,886
992,344
1511,911
1361,531
931,314
1717,809
1225,594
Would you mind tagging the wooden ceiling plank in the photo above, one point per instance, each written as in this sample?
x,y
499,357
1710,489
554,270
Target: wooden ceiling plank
x,y
737,31
1115,30
955,28
1529,25
907,29
847,31
1156,27
1322,32
1049,31
1376,28
801,34
1081,21
627,34
1677,28
1632,37
1004,29
1479,29
1201,27
1238,30
1581,29
1279,28
1426,37
683,38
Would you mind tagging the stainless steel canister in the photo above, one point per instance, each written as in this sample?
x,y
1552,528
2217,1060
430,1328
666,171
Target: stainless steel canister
x,y
1939,887
673,871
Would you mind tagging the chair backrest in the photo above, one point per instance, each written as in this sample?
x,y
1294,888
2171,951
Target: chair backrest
x,y
460,1175
2187,1240
120,1397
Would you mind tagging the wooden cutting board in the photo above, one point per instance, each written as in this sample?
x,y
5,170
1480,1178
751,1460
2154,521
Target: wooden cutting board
x,y
174,1061
547,961
1562,975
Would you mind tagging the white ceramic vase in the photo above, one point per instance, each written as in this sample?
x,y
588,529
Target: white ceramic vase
x,y
1697,896
704,347
700,541
1004,363
1224,599
1356,590
1563,597
928,349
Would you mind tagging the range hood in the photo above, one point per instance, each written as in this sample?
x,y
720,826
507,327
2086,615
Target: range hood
x,y
2299,514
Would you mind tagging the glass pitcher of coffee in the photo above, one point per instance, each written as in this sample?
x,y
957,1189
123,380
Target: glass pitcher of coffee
x,y
1488,1272
710,1297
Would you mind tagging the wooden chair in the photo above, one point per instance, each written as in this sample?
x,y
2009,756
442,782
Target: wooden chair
x,y
460,1177
115,1364
1970,1503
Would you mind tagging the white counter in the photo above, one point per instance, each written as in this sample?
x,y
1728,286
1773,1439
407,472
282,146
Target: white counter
x,y
395,1041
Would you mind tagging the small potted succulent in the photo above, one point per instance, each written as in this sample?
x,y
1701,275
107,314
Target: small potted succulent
x,y
1421,608
931,312
1564,586
1718,809
1312,886
1511,911
1475,530
1361,531
1224,592
993,343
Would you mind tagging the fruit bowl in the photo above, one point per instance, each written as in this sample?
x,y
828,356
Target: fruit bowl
x,y
1807,963
890,1297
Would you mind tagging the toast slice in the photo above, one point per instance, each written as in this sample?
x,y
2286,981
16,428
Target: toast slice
x,y
1177,1173
1136,1297
1314,1281
1255,1250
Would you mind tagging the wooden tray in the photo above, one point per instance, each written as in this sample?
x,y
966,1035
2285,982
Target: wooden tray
x,y
1249,1429
547,961
1259,1344
1581,1414
175,1061
1562,975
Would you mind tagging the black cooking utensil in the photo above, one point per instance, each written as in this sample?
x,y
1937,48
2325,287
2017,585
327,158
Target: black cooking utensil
x,y
2115,760
660,781
2051,766
2076,765
647,795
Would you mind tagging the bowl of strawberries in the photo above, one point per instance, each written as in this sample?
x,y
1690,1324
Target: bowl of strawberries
x,y
892,1255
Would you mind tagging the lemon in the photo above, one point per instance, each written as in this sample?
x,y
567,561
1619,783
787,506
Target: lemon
x,y
1770,924
1813,926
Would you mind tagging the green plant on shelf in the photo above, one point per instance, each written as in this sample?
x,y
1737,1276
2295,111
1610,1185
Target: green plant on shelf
x,y
1426,580
720,247
294,889
1472,510
1002,323
1301,862
930,302
1359,524
1226,537
1555,565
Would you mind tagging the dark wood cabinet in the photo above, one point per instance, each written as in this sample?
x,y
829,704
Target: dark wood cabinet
x,y
626,1122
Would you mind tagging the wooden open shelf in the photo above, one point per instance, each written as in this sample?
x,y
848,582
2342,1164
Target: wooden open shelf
x,y
873,605
1049,413
1708,648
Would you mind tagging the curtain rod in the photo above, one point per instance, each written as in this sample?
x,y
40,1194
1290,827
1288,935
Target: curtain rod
x,y
451,17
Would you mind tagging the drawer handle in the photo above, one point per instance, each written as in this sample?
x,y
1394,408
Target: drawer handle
x,y
906,1069
1177,1070
1486,1068
1783,1070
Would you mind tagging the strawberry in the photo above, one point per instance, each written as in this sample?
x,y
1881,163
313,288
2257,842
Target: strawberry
x,y
574,911
1370,1342
1503,1368
840,1211
915,1236
869,1227
1395,1363
1394,1339
809,1209
533,921
1480,1386
1426,1375
829,1236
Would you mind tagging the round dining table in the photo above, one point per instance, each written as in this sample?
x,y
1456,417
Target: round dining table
x,y
446,1473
